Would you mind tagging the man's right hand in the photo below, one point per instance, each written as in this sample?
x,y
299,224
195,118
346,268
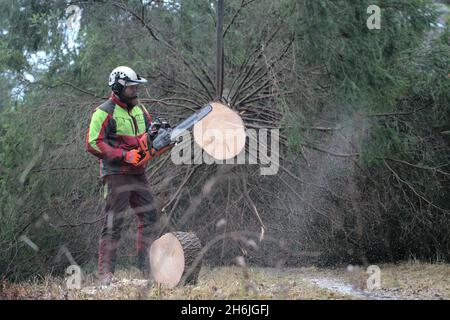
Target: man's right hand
x,y
133,157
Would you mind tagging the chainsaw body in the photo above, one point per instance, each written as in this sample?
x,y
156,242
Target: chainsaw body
x,y
160,137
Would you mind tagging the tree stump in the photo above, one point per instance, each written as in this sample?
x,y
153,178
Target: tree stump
x,y
172,257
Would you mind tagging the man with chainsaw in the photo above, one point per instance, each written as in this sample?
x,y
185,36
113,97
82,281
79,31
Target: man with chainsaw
x,y
125,137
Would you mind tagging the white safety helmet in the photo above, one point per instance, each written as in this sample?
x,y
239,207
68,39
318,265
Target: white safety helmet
x,y
125,76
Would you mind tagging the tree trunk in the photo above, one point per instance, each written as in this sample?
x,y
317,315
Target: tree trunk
x,y
172,259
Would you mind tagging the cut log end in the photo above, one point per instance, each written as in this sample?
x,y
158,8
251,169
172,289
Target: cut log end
x,y
221,133
173,259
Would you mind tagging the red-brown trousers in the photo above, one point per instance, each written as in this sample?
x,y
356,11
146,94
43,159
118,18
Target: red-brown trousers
x,y
123,190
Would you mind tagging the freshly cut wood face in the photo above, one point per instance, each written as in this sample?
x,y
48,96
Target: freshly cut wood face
x,y
167,260
221,133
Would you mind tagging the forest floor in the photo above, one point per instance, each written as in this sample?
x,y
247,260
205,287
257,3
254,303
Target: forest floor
x,y
409,280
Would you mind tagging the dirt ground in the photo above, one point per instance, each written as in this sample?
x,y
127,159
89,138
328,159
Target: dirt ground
x,y
409,280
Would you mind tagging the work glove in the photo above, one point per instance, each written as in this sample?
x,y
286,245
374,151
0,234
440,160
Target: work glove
x,y
133,157
153,143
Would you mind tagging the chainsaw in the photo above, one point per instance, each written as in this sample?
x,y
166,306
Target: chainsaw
x,y
160,137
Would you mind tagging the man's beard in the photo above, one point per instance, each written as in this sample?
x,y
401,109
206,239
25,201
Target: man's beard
x,y
130,101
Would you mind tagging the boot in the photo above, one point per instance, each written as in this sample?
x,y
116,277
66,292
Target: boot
x,y
107,279
106,259
143,263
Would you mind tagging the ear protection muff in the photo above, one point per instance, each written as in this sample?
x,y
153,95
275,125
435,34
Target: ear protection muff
x,y
116,87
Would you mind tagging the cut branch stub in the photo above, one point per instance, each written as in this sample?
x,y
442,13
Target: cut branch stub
x,y
172,257
221,133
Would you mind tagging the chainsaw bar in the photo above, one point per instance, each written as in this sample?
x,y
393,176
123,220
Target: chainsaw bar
x,y
188,123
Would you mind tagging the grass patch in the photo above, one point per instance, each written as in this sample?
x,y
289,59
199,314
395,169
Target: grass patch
x,y
410,280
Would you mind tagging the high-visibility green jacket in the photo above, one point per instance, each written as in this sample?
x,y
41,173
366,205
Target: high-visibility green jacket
x,y
115,129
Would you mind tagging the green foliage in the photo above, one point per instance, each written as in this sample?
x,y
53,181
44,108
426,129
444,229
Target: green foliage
x,y
426,96
360,61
